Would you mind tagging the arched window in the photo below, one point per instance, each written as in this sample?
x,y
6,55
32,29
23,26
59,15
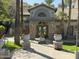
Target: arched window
x,y
41,14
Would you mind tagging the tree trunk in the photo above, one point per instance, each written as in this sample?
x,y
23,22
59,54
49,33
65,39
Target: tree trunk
x,y
21,17
70,3
78,18
77,36
17,23
62,11
62,7
78,25
62,19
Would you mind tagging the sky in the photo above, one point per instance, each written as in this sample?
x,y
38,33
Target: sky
x,y
56,2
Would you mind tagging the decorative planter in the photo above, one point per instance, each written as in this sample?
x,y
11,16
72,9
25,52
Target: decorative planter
x,y
57,37
58,41
1,43
42,40
58,45
26,43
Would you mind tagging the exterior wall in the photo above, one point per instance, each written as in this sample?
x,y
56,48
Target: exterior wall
x,y
75,2
72,23
51,24
44,9
74,12
33,29
51,27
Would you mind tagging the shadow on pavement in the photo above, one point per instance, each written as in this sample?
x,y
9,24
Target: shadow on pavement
x,y
41,54
46,45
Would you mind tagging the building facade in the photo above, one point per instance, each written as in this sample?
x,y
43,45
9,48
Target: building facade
x,y
43,20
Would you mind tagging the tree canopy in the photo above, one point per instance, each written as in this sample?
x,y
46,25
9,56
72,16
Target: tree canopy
x,y
66,3
7,3
49,2
4,9
3,13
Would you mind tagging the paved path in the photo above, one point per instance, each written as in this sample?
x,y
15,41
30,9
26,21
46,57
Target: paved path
x,y
42,52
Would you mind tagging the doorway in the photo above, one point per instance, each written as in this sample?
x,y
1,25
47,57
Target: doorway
x,y
42,29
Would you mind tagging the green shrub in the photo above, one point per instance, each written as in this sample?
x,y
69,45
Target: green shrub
x,y
11,45
2,28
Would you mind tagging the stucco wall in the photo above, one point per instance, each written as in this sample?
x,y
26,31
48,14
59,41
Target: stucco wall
x,y
32,29
40,9
51,27
51,24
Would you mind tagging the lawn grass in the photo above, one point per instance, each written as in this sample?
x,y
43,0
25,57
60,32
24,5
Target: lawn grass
x,y
71,48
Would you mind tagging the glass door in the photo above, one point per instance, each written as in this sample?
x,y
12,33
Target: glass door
x,y
42,30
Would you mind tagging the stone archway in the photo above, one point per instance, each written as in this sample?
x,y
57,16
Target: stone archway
x,y
42,29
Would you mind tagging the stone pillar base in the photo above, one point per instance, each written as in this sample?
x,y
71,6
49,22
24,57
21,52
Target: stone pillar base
x,y
58,45
26,43
26,46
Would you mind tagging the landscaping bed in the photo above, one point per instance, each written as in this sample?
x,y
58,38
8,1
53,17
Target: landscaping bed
x,y
11,45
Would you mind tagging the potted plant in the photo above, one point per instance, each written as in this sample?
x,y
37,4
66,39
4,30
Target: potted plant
x,y
2,30
42,39
57,34
58,38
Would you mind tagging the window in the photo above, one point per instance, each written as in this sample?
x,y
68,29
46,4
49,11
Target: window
x,y
70,30
42,14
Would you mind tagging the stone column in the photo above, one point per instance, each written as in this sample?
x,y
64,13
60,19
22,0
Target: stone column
x,y
26,37
32,29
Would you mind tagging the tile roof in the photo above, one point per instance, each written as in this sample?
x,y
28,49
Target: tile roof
x,y
25,10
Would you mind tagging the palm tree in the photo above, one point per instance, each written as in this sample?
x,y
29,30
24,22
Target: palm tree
x,y
70,3
62,19
78,19
62,7
49,2
66,3
17,23
21,16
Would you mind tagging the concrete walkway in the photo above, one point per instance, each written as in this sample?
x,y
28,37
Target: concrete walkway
x,y
51,52
42,52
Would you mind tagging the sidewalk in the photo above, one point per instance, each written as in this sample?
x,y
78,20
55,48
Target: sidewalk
x,y
50,51
42,52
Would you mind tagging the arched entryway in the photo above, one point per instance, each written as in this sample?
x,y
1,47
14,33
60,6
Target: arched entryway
x,y
42,29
